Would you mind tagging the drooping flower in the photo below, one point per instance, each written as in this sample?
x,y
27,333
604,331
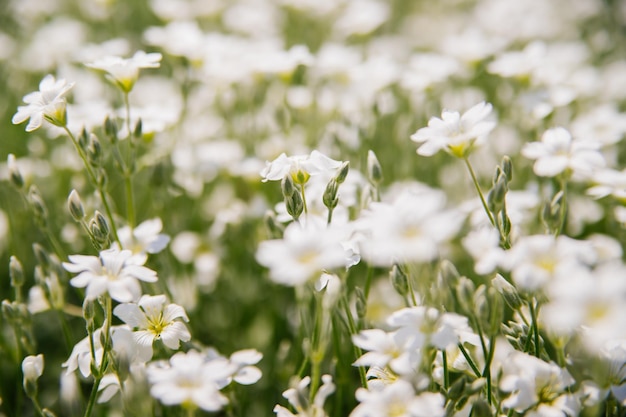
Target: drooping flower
x,y
124,72
153,320
32,367
48,103
114,271
455,133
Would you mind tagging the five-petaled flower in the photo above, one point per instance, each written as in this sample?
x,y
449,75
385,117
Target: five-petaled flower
x,y
114,271
48,103
152,319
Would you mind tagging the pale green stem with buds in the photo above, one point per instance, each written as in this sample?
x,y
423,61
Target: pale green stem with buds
x,y
105,351
480,193
317,348
94,180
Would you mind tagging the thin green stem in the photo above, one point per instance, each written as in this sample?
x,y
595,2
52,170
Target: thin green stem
x,y
306,210
95,182
469,360
316,349
67,333
562,208
353,330
37,406
533,313
329,219
105,351
480,193
446,375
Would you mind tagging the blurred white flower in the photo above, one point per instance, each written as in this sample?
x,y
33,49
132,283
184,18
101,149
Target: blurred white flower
x,y
398,400
455,133
123,72
114,271
609,182
189,379
302,253
558,152
411,229
145,238
299,395
537,387
151,319
48,103
385,350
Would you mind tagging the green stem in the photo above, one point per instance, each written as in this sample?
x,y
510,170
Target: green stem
x,y
353,330
480,193
306,210
105,351
67,334
95,182
562,208
533,313
37,406
316,348
329,219
469,360
446,375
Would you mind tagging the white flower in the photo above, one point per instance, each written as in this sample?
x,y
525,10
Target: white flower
x,y
114,271
398,400
609,182
455,133
146,237
411,229
385,349
48,103
537,385
302,253
32,368
189,379
558,153
124,72
299,166
299,395
153,320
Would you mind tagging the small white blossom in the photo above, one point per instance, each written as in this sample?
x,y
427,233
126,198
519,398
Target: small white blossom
x,y
48,103
32,367
455,133
153,320
299,166
398,400
558,152
145,238
124,72
189,379
114,271
298,395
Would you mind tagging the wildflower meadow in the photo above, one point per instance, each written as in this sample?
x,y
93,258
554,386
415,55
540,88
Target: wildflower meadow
x,y
313,208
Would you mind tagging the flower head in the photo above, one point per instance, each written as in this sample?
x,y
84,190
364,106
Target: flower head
x,y
114,271
153,320
48,103
455,133
145,238
301,167
123,72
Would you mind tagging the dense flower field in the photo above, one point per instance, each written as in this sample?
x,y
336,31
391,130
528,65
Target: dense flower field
x,y
364,208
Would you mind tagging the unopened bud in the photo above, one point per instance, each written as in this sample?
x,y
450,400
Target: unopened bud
x,y
399,280
449,273
94,150
497,194
16,272
138,129
480,408
32,369
43,258
465,293
14,172
295,205
508,292
274,228
75,206
110,128
476,386
456,390
343,172
89,310
507,167
83,139
374,170
330,194
287,186
38,205
102,223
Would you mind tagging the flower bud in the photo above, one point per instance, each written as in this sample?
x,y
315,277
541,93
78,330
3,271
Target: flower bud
x,y
43,258
16,272
89,310
465,293
399,280
343,172
83,138
138,129
295,205
38,205
449,273
480,408
507,167
287,186
103,225
14,172
508,292
110,128
274,228
374,170
330,194
75,206
94,150
32,369
456,390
